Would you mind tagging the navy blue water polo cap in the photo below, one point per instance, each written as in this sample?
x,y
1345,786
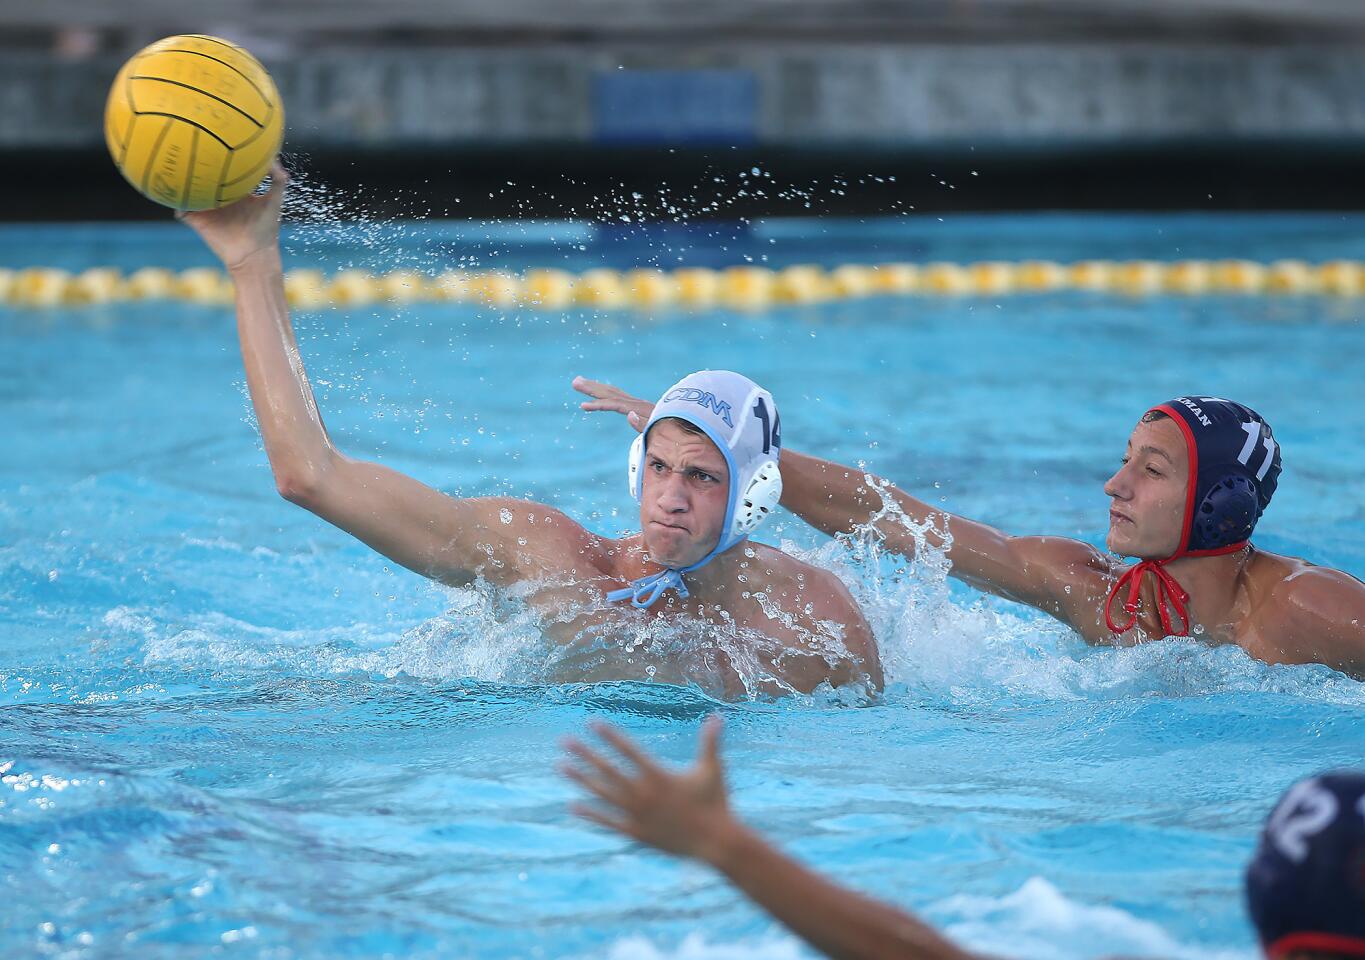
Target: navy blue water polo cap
x,y
1306,883
1235,463
1234,469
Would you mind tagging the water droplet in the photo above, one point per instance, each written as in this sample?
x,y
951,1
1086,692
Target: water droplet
x,y
505,515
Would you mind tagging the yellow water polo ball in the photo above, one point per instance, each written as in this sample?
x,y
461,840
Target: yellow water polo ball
x,y
193,122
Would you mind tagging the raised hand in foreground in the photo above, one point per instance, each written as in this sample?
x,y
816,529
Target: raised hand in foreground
x,y
688,814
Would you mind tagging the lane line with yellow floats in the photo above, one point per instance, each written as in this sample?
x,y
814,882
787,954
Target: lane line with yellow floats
x,y
740,287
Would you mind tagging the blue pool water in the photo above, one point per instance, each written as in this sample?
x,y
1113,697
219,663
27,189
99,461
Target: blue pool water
x,y
225,725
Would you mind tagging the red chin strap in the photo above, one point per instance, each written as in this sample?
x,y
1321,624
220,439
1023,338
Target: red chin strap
x,y
1169,592
1308,942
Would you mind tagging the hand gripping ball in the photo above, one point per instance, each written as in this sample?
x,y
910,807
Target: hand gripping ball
x,y
193,122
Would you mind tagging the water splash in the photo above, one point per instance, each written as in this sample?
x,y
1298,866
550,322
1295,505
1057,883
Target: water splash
x,y
695,946
1038,920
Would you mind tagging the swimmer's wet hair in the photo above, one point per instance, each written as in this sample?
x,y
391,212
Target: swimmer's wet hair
x,y
1152,416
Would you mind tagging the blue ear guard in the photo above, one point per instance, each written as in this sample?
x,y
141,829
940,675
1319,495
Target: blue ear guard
x,y
1228,512
1236,469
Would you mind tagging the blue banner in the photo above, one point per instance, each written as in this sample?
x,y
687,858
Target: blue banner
x,y
682,107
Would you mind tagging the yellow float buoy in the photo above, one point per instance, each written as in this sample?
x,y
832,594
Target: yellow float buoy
x,y
548,289
746,288
697,286
40,287
1139,278
650,288
945,278
401,286
1342,278
990,277
96,285
1189,277
1039,276
801,283
495,288
306,289
1290,276
897,278
150,283
1238,276
450,286
352,288
202,285
853,281
1091,275
600,288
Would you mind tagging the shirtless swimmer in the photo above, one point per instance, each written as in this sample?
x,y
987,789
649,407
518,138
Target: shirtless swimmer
x,y
706,478
1196,477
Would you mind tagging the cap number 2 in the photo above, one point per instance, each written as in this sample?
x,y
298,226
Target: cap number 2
x,y
1305,812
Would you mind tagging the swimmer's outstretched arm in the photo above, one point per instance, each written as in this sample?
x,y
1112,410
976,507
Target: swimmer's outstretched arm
x,y
688,815
1058,575
412,524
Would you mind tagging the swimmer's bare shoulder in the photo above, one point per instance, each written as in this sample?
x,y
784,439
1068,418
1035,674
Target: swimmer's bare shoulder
x,y
535,540
814,597
1299,612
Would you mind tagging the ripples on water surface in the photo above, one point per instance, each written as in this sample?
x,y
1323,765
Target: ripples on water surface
x,y
223,724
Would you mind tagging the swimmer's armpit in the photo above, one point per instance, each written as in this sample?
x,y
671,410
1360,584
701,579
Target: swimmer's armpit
x,y
688,814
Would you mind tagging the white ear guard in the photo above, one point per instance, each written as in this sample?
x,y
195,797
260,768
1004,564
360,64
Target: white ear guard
x,y
637,459
757,500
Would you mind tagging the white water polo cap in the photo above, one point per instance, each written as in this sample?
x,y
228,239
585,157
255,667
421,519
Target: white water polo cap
x,y
741,419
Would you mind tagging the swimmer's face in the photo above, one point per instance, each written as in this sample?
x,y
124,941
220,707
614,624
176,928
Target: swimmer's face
x,y
1147,495
685,489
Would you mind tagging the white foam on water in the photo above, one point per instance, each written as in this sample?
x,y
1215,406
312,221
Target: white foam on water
x,y
1038,920
977,650
931,642
696,946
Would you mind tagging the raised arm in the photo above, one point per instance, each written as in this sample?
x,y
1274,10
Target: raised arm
x,y
838,499
407,521
1056,574
688,814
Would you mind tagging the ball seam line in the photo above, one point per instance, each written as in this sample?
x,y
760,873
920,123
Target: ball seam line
x,y
190,86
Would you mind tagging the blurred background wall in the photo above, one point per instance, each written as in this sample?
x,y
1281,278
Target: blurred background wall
x,y
935,104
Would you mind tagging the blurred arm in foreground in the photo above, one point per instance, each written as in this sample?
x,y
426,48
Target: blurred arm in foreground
x,y
688,815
